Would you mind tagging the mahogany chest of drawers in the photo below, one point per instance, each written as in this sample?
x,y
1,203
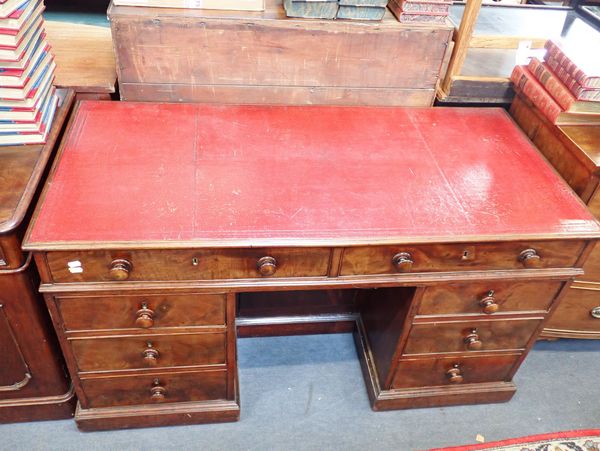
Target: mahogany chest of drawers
x,y
33,380
153,240
574,152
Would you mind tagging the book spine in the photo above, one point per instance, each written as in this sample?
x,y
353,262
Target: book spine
x,y
589,94
553,85
526,83
563,75
574,71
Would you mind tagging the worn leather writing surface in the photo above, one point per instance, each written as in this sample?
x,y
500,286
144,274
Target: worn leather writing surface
x,y
173,172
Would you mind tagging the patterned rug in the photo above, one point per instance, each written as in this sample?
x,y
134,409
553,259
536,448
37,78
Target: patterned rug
x,y
584,440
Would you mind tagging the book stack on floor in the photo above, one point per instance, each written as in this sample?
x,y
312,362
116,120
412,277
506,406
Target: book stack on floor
x,y
27,97
337,9
565,86
421,11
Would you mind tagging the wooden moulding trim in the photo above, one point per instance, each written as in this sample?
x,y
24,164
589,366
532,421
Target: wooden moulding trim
x,y
367,361
487,387
482,79
583,285
17,385
308,283
559,333
21,269
295,319
461,317
299,242
459,354
131,333
504,42
160,409
41,400
112,373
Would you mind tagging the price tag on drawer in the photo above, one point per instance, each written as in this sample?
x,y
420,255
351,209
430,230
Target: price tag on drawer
x,y
75,267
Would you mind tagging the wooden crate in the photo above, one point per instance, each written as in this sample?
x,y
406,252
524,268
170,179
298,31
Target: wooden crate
x,y
170,55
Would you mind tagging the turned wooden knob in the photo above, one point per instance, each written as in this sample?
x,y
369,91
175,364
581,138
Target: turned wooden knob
x,y
150,355
120,269
530,258
473,342
455,375
402,262
144,317
488,303
266,266
158,392
595,312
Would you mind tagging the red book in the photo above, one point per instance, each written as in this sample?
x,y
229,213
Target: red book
x,y
553,85
582,64
526,83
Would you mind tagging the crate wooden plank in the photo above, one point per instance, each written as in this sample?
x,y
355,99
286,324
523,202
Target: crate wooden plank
x,y
223,50
292,95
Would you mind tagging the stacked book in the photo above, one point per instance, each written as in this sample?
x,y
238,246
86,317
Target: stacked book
x,y
27,98
336,9
311,9
362,9
565,86
421,11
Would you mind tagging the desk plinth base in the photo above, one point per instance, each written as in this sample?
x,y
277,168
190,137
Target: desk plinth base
x,y
41,408
129,417
492,392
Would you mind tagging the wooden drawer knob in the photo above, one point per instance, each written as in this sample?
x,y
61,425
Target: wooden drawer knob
x,y
455,375
473,341
488,303
403,262
158,392
595,312
267,266
120,269
150,355
530,258
144,317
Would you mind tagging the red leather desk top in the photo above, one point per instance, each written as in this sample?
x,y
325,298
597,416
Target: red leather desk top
x,y
265,175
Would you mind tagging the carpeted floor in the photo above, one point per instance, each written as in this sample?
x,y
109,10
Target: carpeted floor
x,y
307,393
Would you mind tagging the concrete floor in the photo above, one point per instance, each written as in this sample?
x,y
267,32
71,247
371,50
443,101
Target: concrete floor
x,y
307,393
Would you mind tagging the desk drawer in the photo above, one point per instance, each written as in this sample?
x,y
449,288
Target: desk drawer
x,y
488,298
206,264
148,351
470,336
578,312
454,257
155,388
141,311
460,370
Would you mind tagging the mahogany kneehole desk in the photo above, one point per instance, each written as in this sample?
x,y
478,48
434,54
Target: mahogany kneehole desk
x,y
439,234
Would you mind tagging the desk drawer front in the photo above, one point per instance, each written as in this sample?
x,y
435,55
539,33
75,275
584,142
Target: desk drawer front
x,y
470,336
155,389
488,298
453,371
454,257
141,311
578,311
149,351
105,266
